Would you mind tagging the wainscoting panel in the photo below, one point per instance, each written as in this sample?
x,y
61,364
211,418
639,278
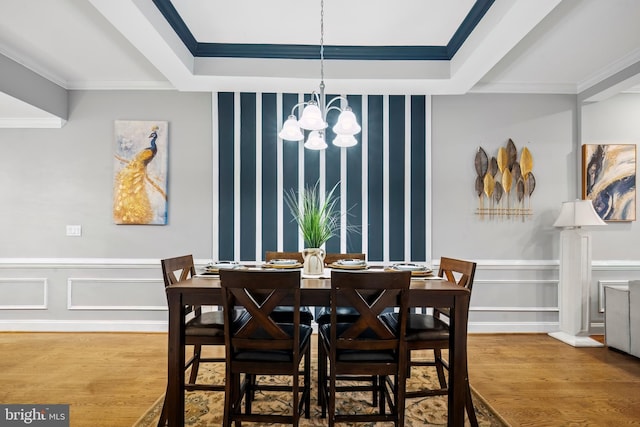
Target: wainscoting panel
x,y
116,294
23,293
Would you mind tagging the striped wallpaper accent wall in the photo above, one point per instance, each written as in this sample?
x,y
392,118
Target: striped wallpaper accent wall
x,y
384,181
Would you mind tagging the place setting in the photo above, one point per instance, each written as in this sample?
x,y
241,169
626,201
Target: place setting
x,y
213,268
349,264
418,271
282,263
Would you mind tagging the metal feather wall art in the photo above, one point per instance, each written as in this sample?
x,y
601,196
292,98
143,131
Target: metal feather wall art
x,y
504,183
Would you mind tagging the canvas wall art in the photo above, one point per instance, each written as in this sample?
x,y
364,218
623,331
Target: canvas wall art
x,y
140,172
609,179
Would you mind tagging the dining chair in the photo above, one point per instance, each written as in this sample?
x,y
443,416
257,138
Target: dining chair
x,y
284,314
260,346
367,346
201,328
431,332
344,315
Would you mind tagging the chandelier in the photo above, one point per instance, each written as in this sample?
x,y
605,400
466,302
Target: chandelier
x,y
314,114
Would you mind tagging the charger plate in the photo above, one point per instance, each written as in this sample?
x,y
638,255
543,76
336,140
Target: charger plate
x,y
282,263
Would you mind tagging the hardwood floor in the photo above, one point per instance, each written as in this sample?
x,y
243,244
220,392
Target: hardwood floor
x,y
110,379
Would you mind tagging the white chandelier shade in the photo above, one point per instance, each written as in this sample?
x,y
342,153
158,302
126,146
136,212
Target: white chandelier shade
x,y
315,141
291,130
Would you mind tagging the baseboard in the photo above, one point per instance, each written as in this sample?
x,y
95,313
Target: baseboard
x,y
82,326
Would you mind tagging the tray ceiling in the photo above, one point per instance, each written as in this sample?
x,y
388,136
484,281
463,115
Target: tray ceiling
x,y
503,46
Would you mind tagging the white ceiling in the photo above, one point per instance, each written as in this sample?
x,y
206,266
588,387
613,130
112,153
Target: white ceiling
x,y
523,46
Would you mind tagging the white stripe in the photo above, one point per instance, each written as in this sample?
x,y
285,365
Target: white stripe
x,y
385,178
407,178
301,151
259,176
215,180
428,182
364,230
343,192
236,175
279,175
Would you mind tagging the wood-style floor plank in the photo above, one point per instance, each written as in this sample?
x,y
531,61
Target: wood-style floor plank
x,y
110,379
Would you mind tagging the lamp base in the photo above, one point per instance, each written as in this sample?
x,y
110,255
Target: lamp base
x,y
575,340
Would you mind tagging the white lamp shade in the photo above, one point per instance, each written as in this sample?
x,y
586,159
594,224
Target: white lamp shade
x,y
290,130
578,213
345,141
315,141
312,118
347,124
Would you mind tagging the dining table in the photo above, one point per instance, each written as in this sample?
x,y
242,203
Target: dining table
x,y
315,291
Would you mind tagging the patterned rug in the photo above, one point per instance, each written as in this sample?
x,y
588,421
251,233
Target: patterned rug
x,y
206,408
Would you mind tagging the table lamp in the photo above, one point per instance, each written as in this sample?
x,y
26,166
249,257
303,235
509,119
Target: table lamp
x,y
575,272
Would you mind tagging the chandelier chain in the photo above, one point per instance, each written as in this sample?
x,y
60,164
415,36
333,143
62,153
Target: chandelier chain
x,y
322,41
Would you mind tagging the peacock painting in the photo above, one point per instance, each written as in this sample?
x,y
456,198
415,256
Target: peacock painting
x,y
140,172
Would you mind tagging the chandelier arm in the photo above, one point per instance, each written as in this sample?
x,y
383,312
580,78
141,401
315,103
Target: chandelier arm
x,y
334,107
337,98
298,105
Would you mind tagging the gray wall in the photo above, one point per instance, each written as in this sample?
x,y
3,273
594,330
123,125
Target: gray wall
x,y
614,121
51,178
461,124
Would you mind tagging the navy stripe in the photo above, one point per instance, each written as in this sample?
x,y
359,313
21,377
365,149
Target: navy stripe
x,y
225,174
418,179
396,177
247,176
269,173
290,178
354,183
375,184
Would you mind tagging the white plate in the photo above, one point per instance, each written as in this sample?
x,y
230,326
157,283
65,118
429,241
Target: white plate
x,y
351,262
410,267
222,265
283,262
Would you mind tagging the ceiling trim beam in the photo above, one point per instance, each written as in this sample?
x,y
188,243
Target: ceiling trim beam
x,y
290,51
21,83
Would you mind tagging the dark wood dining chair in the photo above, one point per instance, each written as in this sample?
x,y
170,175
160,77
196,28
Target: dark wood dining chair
x,y
344,314
431,332
367,346
284,314
261,346
201,328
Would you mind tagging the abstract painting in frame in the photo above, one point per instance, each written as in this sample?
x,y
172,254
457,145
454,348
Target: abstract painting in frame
x,y
140,172
609,179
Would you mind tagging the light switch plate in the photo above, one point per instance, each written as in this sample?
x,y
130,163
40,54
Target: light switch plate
x,y
74,230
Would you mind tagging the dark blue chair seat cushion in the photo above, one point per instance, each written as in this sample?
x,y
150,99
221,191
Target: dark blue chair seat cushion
x,y
344,315
343,355
211,323
420,326
274,355
284,314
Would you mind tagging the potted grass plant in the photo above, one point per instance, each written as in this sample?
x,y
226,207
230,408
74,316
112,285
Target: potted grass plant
x,y
318,217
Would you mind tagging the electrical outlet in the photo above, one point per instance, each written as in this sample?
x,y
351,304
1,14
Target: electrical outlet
x,y
74,230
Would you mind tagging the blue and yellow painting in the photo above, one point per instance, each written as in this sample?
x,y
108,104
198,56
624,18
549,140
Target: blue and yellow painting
x,y
609,179
140,172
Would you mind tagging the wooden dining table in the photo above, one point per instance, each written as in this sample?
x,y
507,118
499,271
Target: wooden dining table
x,y
206,291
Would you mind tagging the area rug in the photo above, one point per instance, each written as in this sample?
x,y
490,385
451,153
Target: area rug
x,y
206,408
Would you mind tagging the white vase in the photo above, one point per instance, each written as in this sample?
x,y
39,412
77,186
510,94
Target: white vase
x,y
313,260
